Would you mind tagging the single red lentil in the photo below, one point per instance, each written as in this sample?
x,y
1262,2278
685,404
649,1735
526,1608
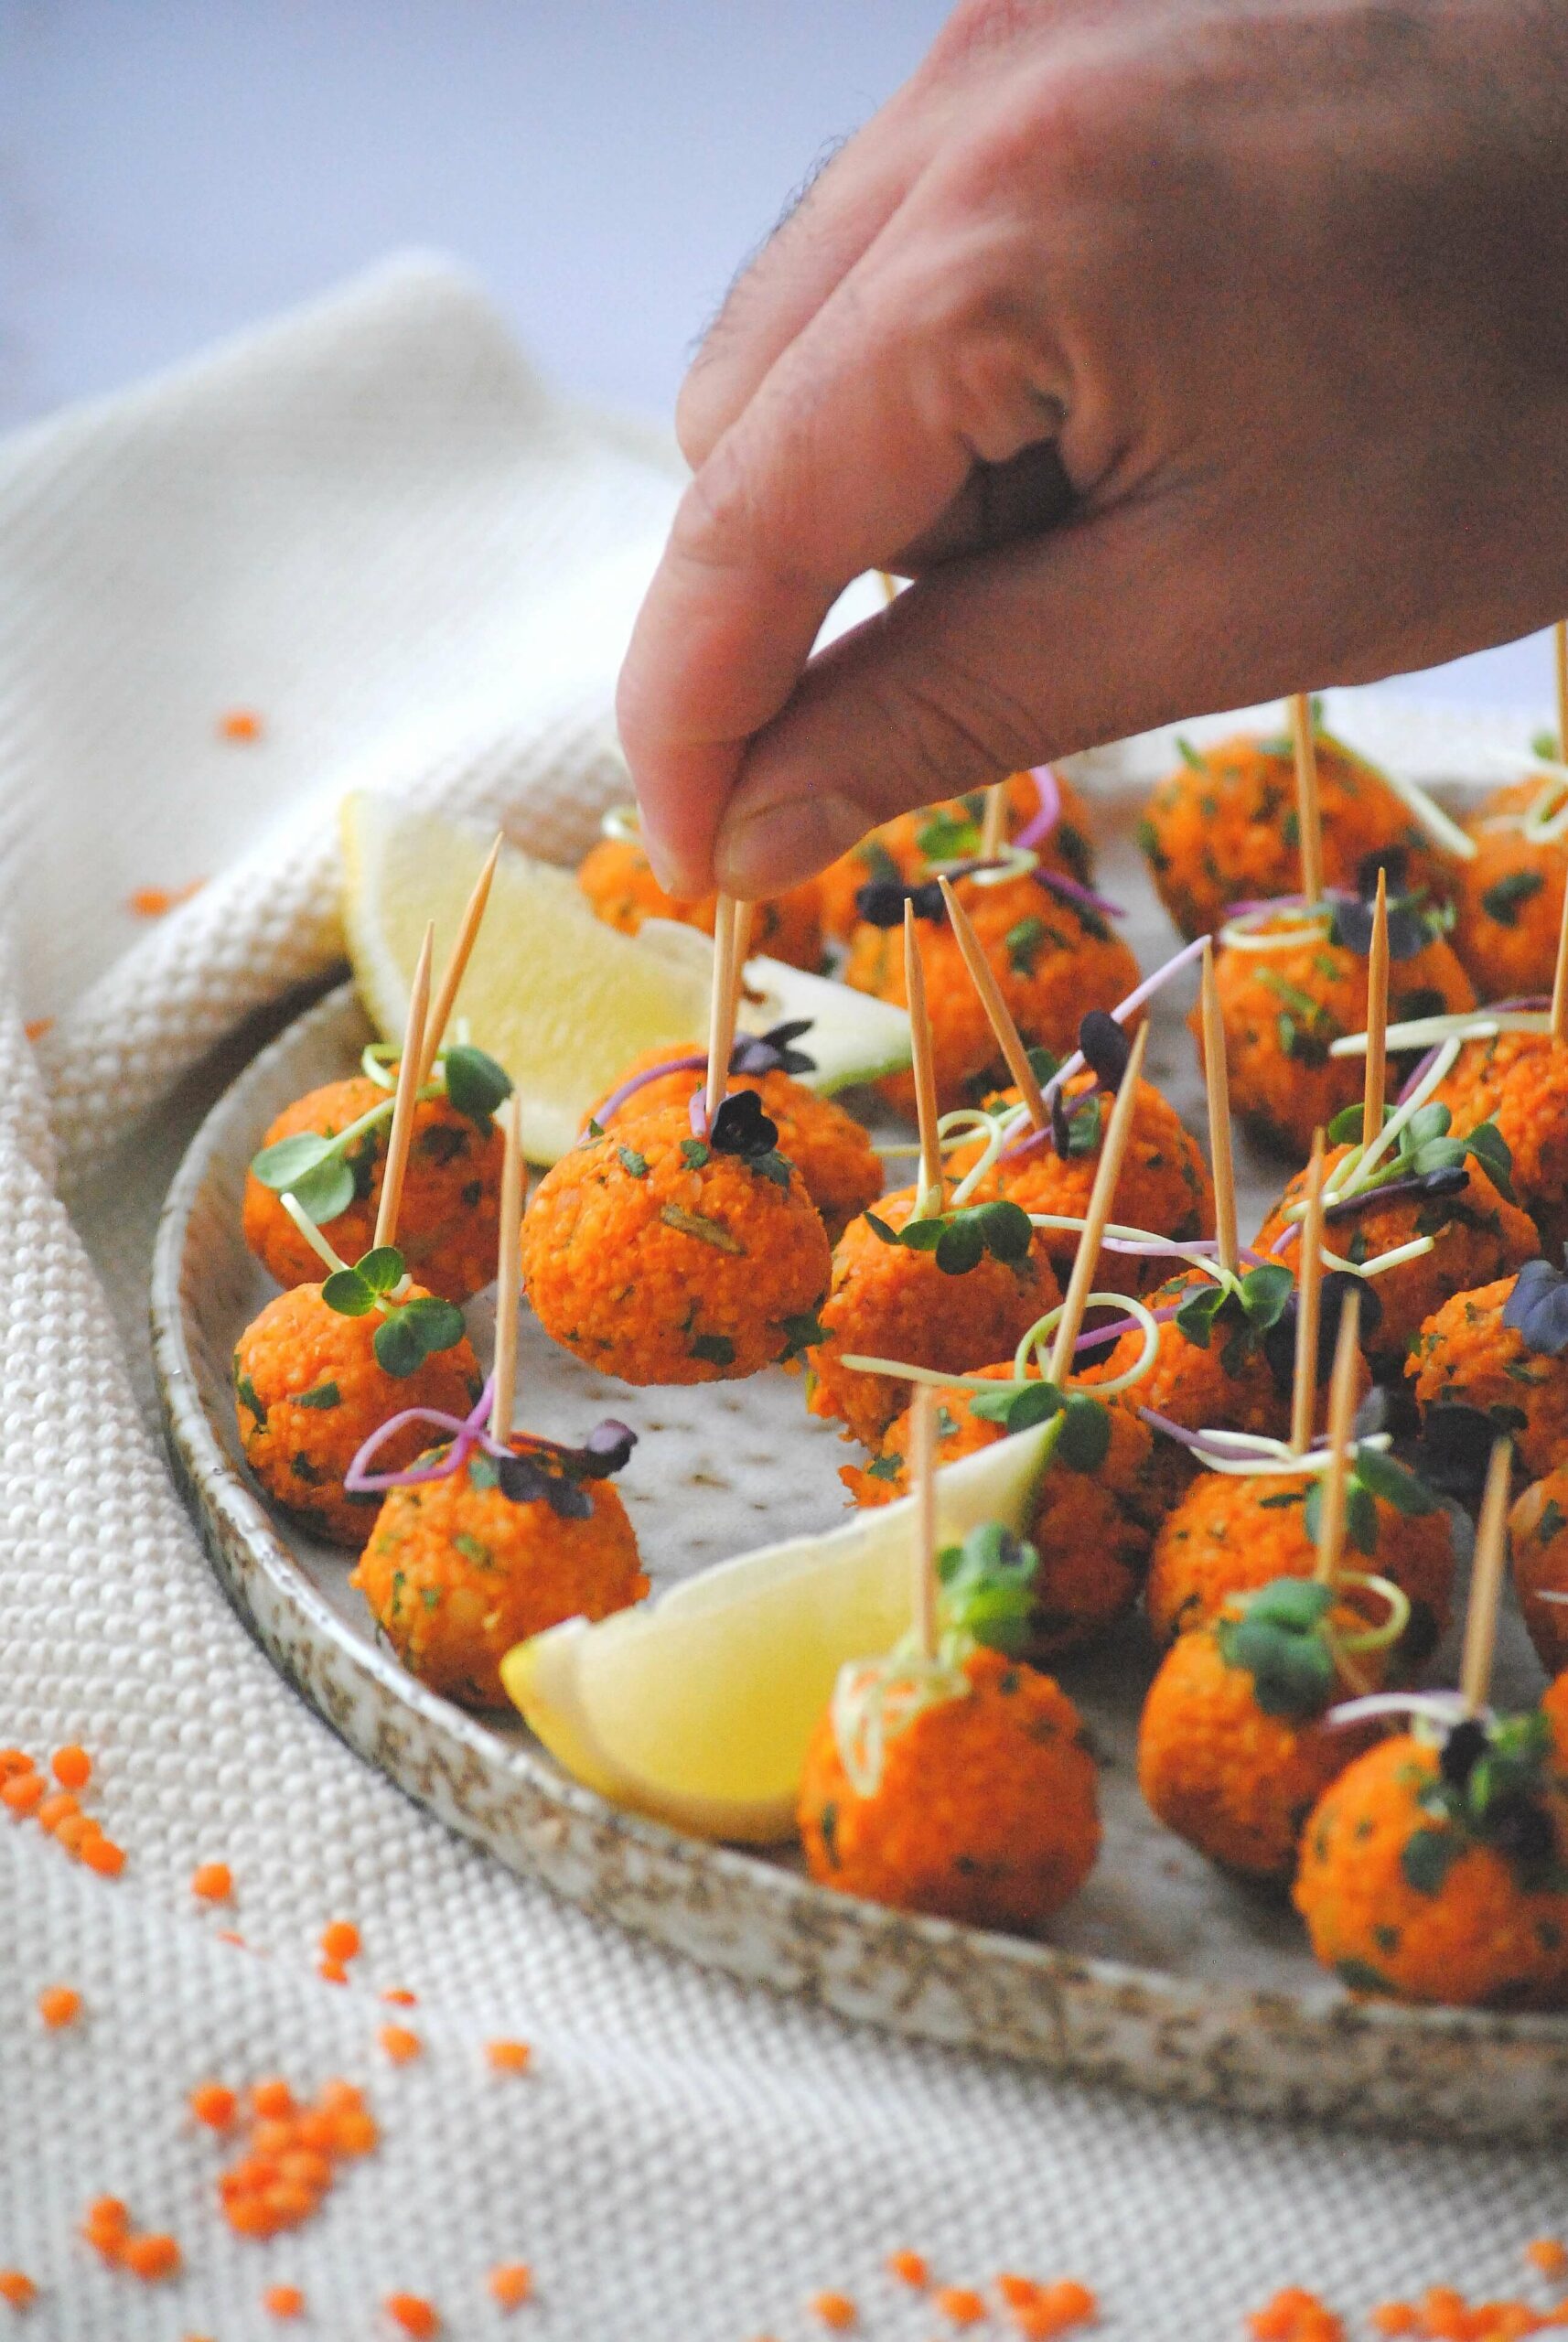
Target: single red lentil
x,y
910,2269
332,1971
399,1999
413,2314
213,1882
960,2304
512,2283
59,2006
61,1807
283,2301
1396,2317
72,1767
151,2257
71,1831
836,2310
14,1761
241,723
340,1940
399,2045
509,2057
214,2105
1549,2254
273,2099
22,1792
101,1854
17,2288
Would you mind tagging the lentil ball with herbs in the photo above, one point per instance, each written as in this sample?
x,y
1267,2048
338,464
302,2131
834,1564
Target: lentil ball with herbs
x,y
1221,828
986,1811
913,845
1520,1083
448,1221
1507,899
309,1391
1405,1895
618,879
661,1257
1465,1357
1537,1541
1476,1235
1229,1534
885,1301
456,1572
1285,1007
831,1150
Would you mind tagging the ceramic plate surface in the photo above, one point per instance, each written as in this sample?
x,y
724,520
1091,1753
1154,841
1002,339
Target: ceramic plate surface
x,y
1163,1976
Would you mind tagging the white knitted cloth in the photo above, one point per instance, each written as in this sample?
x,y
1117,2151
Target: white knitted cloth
x,y
372,525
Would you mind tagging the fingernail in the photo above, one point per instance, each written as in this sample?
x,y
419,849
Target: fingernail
x,y
777,845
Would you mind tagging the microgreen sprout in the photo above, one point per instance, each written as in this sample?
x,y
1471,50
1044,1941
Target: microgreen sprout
x,y
961,1238
323,1172
1536,1309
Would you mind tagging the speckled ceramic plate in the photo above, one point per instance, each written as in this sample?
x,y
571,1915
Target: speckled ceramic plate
x,y
1163,1976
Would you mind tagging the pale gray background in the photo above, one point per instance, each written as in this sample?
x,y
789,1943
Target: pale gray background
x,y
171,170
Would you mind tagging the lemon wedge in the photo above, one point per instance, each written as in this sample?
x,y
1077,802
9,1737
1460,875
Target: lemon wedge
x,y
561,1001
698,1707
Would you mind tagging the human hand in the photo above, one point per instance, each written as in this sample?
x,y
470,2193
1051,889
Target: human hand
x,y
1184,351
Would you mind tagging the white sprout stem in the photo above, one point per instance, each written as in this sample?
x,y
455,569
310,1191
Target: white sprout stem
x,y
997,1139
1036,1339
1413,1250
1241,934
873,1700
1426,1032
1014,861
1261,1458
1438,1071
311,1233
374,1066
1394,1625
1440,827
1065,1223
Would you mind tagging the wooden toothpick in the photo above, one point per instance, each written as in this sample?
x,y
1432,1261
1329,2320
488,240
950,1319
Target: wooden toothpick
x,y
1217,1079
513,1174
400,1136
1341,1423
456,965
1377,1018
721,1008
1560,665
1086,1259
992,821
923,1471
930,1198
1559,1021
1308,1292
1309,817
1487,1578
1009,1040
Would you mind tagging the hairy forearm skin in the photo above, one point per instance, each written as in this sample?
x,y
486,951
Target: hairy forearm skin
x,y
1184,354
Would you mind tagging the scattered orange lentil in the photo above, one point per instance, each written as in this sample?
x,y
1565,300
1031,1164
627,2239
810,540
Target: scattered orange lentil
x,y
1057,2309
212,2105
61,1807
332,1971
512,2283
1294,2315
509,2057
14,1761
72,1767
283,2301
101,1854
107,2225
71,1829
340,1940
59,2006
213,1882
157,902
415,2314
227,1934
1445,2314
836,2310
37,1027
399,2043
151,2257
910,2267
241,723
273,2099
1018,2293
22,1792
960,2304
1549,2254
17,2288
1396,2317
398,1999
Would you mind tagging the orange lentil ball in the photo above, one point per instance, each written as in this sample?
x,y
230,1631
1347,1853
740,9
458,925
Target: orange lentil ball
x,y
283,2301
151,2257
1221,828
412,2315
1538,1541
511,2285
618,879
670,1259
1465,1356
1464,1928
509,2057
17,2289
213,2105
456,1572
450,1220
1520,1081
59,2006
1477,1235
985,1811
340,1940
1233,1780
212,1882
1085,1527
1283,1009
22,1792
72,1767
309,1391
912,844
1508,898
960,2304
1163,1186
836,2310
1052,962
1229,1533
399,2045
886,1302
831,1150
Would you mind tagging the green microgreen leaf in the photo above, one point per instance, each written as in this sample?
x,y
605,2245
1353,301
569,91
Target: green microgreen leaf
x,y
1022,943
1504,900
382,1268
695,1154
804,1333
987,1589
476,1084
943,839
1279,1639
1394,1482
346,1292
324,1395
635,1165
717,1349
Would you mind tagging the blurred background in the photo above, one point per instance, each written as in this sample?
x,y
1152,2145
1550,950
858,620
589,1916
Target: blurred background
x,y
173,169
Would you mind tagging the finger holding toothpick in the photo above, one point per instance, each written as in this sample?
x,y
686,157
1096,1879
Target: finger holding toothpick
x,y
722,1007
